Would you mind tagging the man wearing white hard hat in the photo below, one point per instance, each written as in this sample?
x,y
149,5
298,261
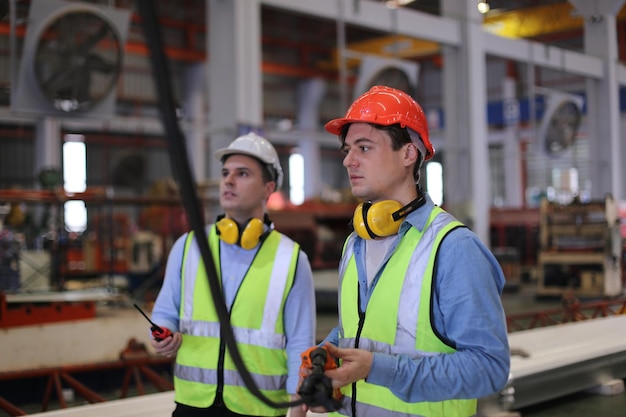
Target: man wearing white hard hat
x,y
267,286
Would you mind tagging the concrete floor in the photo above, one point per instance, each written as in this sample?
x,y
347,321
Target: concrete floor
x,y
582,404
521,299
64,343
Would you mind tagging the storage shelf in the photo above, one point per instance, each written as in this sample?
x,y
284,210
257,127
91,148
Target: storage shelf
x,y
579,253
571,258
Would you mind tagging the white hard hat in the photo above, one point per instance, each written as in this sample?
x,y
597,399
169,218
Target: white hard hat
x,y
258,147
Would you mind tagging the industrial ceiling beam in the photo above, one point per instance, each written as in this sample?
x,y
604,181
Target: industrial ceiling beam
x,y
376,16
544,55
446,31
527,23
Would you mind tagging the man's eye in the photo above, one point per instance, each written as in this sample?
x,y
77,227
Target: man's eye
x,y
364,148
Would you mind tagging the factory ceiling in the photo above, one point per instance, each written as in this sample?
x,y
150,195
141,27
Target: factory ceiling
x,y
302,46
184,24
553,22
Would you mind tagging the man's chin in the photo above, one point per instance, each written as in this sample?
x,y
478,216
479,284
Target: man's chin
x,y
227,204
359,193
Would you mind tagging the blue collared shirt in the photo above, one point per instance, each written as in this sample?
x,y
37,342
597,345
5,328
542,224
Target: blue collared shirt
x,y
467,312
299,315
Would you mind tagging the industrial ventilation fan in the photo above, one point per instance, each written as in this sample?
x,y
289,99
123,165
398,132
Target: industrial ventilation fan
x,y
560,122
396,73
72,59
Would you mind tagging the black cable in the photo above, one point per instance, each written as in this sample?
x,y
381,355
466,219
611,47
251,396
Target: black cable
x,y
182,173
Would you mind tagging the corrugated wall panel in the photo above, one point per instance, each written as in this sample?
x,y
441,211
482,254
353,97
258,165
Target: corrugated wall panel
x,y
136,82
540,169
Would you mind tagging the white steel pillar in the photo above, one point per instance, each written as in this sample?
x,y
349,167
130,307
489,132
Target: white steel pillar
x,y
194,117
466,157
606,150
48,155
47,144
513,192
311,92
234,72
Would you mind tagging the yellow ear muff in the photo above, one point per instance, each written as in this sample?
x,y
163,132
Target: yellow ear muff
x,y
251,233
380,218
228,230
248,238
358,222
376,220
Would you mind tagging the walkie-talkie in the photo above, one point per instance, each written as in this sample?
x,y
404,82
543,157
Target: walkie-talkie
x,y
316,388
159,333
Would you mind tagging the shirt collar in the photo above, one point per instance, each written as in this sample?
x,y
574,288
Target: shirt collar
x,y
419,217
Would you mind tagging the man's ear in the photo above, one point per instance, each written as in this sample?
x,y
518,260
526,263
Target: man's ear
x,y
270,187
411,154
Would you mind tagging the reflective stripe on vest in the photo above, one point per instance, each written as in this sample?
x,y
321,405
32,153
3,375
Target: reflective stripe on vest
x,y
257,327
408,331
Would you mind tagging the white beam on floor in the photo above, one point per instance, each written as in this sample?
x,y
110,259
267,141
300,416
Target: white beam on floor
x,y
555,361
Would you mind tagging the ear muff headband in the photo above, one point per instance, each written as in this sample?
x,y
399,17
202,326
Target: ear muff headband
x,y
383,218
249,235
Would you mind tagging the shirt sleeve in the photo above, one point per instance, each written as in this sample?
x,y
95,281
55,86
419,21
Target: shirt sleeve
x,y
299,319
332,338
167,305
467,312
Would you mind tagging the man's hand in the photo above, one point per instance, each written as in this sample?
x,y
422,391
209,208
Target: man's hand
x,y
355,365
297,411
314,385
168,346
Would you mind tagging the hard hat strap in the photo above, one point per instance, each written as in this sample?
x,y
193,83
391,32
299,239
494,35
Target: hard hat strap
x,y
417,140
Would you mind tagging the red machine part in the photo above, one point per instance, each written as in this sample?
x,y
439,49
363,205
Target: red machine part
x,y
31,313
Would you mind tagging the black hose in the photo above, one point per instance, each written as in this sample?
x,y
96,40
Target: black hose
x,y
183,176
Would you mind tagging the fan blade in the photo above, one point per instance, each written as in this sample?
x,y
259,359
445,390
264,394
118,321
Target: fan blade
x,y
98,63
92,41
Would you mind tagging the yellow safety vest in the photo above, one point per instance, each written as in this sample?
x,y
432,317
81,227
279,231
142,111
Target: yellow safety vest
x,y
396,321
256,318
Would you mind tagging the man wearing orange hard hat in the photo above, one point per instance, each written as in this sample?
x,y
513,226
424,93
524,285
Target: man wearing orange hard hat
x,y
422,330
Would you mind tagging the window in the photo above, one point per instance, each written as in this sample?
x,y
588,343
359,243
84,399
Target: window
x,y
75,181
296,178
434,182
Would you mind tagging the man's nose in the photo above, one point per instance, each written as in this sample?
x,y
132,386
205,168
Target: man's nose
x,y
349,159
228,178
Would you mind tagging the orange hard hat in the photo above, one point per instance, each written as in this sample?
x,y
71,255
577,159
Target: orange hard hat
x,y
386,106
